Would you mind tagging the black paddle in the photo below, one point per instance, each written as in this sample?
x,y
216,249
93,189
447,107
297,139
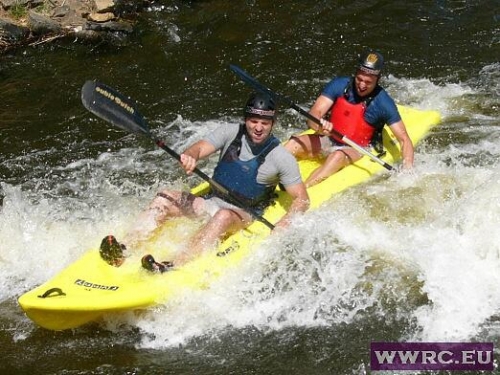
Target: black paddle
x,y
110,105
247,78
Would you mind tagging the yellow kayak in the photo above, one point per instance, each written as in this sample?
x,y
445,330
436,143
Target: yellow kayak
x,y
89,287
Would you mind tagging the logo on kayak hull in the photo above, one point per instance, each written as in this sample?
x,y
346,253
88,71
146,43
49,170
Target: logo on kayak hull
x,y
88,284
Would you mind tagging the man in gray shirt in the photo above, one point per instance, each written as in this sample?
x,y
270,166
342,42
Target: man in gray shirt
x,y
252,163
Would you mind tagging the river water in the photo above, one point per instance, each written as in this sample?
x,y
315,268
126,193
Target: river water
x,y
413,257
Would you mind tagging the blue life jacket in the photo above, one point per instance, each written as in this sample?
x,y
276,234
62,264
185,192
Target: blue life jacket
x,y
240,177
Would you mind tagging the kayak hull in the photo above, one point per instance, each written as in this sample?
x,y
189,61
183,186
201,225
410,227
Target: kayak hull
x,y
89,288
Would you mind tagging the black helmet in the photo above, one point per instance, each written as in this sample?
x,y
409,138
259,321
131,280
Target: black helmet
x,y
371,62
260,105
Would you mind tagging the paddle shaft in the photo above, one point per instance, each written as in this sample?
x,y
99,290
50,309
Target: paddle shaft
x,y
112,106
282,98
214,184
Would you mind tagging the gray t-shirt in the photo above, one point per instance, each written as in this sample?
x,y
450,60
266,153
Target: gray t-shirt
x,y
279,167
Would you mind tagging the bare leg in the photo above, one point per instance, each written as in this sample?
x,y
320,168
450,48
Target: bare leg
x,y
166,204
309,146
224,222
333,163
304,146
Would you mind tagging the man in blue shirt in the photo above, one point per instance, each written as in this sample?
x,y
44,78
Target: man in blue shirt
x,y
359,108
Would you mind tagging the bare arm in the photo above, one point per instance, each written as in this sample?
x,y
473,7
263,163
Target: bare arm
x,y
407,152
197,151
318,110
300,203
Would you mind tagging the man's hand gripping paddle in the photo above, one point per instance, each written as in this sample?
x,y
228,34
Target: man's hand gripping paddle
x,y
110,105
247,78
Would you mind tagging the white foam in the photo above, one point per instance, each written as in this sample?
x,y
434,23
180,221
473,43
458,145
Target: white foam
x,y
433,232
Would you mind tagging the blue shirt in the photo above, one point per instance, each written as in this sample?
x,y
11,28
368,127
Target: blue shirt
x,y
380,111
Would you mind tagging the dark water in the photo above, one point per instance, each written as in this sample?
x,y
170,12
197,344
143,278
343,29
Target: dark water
x,y
403,258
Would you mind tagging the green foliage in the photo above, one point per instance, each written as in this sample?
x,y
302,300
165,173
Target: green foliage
x,y
44,7
18,11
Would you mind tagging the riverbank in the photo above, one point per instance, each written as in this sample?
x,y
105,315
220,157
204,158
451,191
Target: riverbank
x,y
32,22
